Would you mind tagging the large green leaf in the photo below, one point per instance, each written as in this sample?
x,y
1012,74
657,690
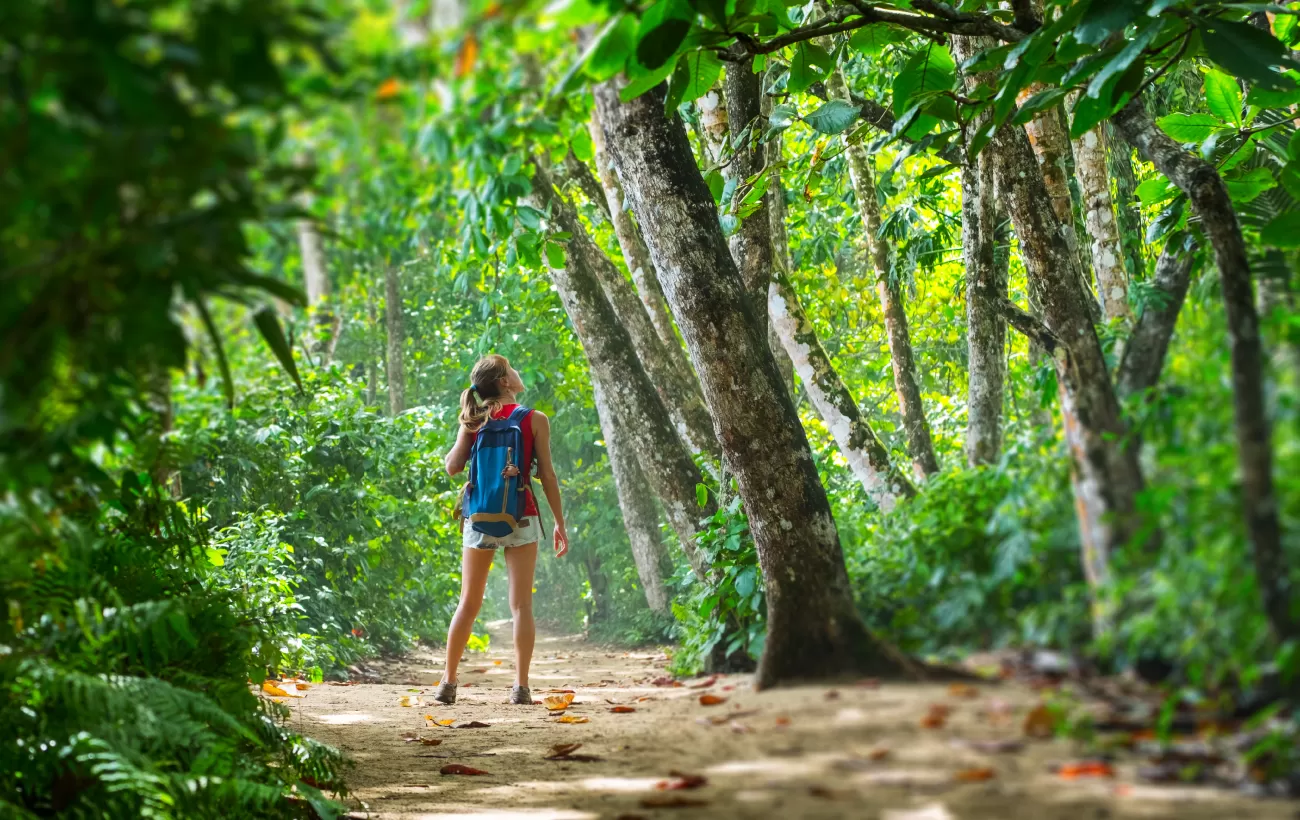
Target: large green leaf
x,y
811,64
1223,97
268,324
663,28
1190,127
1246,186
1104,18
1245,51
931,70
871,40
834,117
612,49
1283,232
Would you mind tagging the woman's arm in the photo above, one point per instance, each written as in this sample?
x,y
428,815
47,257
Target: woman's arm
x,y
546,474
455,461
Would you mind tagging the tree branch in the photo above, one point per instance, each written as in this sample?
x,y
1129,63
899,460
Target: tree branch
x,y
1031,327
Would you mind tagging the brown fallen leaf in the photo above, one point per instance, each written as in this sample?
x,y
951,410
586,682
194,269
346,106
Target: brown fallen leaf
x,y
833,695
482,671
963,690
627,815
975,775
706,683
458,768
711,700
571,719
824,793
562,749
937,717
622,710
997,747
557,691
782,720
1039,723
671,801
558,703
878,754
474,724
679,781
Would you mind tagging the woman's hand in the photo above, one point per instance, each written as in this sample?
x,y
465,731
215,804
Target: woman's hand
x,y
561,541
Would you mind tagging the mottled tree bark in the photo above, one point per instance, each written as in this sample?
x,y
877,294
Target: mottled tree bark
x,y
1107,254
814,630
663,456
637,505
906,383
868,458
1211,202
1128,209
751,244
630,242
986,329
1144,355
578,171
667,368
324,323
780,239
1106,475
396,326
713,125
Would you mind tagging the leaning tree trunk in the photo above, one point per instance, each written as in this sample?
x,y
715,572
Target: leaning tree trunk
x,y
396,325
772,157
751,244
1128,209
814,630
986,329
906,384
664,458
637,504
1144,355
867,457
666,366
580,173
630,242
1107,253
1211,202
1106,475
713,126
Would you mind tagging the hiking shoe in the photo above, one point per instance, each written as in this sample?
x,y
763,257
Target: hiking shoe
x,y
446,693
520,695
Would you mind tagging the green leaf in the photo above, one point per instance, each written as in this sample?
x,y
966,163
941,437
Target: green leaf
x,y
268,324
1245,51
1283,232
1223,97
746,581
529,217
811,64
1271,98
871,40
219,350
1038,103
555,254
704,67
663,28
701,494
834,117
1154,191
1190,127
1244,152
1104,18
643,82
581,145
928,71
1247,186
1114,84
714,10
716,184
782,116
612,48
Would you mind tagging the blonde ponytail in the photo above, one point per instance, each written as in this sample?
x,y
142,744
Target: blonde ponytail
x,y
483,397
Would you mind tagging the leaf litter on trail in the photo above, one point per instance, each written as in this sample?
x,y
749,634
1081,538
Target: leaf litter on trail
x,y
273,689
622,710
704,684
937,716
439,721
413,737
1040,723
558,703
711,700
1086,768
460,768
410,700
963,690
474,724
565,752
976,775
571,719
672,801
680,781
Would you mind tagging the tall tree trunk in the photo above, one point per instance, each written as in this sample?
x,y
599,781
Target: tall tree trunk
x,y
713,126
667,367
1106,475
375,353
1099,220
592,189
396,325
986,329
906,384
662,454
814,630
1144,355
1210,201
324,323
867,457
772,156
630,242
1128,209
751,244
637,504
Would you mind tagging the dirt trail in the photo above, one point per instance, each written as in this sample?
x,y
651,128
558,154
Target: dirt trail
x,y
815,752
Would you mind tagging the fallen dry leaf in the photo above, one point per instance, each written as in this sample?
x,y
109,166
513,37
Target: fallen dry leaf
x,y
937,717
824,792
975,775
496,663
562,749
705,684
996,747
783,721
679,781
410,700
878,754
671,801
666,681
474,724
1087,768
963,690
558,703
557,691
302,687
622,710
1039,723
482,671
439,722
711,700
571,719
833,695
740,728
274,691
457,768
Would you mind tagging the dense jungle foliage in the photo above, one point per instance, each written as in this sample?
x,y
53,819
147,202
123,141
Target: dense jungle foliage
x,y
251,250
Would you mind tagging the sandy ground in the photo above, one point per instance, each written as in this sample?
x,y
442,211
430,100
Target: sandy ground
x,y
815,752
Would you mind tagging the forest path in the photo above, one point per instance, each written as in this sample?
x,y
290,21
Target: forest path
x,y
808,752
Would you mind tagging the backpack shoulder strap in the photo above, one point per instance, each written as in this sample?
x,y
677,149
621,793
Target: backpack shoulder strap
x,y
517,415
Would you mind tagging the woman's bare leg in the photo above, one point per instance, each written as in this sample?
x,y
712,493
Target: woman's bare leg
x,y
520,563
474,566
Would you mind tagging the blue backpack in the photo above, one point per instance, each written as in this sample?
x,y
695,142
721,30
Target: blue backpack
x,y
493,502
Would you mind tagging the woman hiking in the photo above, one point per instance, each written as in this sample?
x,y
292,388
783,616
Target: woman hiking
x,y
500,441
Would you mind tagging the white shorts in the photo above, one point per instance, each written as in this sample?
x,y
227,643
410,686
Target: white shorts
x,y
529,533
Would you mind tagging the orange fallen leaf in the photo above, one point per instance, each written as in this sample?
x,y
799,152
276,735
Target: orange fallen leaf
x,y
783,721
1088,768
963,690
622,710
937,717
711,700
571,719
1039,722
274,691
680,781
302,687
457,768
705,684
558,703
387,90
975,775
442,722
357,631
878,754
466,56
496,663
